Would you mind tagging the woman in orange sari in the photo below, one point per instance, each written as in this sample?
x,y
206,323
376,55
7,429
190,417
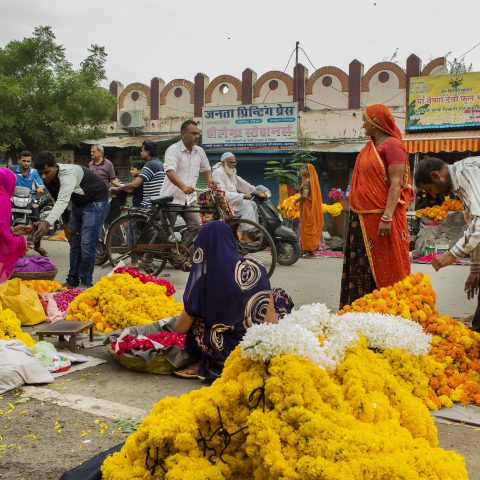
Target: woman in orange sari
x,y
377,243
311,211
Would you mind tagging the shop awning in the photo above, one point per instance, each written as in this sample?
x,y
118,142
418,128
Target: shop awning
x,y
434,142
125,142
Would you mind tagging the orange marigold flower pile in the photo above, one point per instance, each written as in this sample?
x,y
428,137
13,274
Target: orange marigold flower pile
x,y
454,345
439,212
43,286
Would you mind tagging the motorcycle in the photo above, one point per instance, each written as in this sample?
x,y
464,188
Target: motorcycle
x,y
286,240
22,203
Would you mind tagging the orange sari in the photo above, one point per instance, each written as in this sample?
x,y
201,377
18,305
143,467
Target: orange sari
x,y
311,224
388,256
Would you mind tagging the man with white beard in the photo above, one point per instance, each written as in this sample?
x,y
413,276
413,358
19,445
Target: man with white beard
x,y
237,190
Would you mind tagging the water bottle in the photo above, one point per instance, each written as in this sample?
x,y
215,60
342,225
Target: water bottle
x,y
429,246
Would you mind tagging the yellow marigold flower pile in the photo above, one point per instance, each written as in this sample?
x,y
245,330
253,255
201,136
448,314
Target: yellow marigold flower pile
x,y
439,212
454,346
43,286
121,301
290,210
291,420
11,328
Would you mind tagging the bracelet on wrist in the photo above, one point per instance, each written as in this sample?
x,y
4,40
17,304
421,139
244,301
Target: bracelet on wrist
x,y
386,219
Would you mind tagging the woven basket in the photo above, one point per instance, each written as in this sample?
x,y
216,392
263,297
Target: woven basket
x,y
159,365
48,275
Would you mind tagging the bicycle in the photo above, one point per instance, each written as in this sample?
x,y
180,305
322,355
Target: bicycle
x,y
140,233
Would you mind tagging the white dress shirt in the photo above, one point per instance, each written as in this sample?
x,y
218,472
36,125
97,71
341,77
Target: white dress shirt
x,y
187,165
465,176
234,186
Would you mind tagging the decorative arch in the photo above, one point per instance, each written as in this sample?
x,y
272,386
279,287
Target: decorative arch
x,y
378,67
274,74
435,63
223,79
179,82
134,86
334,71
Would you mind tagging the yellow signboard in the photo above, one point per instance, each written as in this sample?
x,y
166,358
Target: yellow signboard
x,y
444,101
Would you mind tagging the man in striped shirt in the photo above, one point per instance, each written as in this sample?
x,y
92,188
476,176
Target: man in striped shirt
x,y
151,176
463,179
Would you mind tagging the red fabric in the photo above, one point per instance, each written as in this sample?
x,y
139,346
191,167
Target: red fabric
x,y
388,255
392,152
11,248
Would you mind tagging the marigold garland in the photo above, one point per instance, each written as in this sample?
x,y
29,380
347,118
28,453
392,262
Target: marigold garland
x,y
121,301
43,286
290,420
11,327
291,210
454,346
439,212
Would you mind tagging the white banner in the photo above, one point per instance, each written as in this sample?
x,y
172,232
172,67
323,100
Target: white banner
x,y
263,125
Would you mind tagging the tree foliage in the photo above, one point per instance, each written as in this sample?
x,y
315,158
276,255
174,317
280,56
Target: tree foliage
x,y
44,101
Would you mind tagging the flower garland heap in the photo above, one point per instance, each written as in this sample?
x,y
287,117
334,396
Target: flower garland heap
x,y
11,327
455,347
121,301
291,210
43,286
282,411
439,212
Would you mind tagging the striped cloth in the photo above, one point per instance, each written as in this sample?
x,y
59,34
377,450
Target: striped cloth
x,y
152,175
465,176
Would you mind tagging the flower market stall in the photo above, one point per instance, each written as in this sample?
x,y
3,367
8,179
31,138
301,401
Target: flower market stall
x,y
440,227
320,396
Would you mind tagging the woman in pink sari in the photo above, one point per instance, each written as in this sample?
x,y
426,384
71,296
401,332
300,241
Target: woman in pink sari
x,y
12,247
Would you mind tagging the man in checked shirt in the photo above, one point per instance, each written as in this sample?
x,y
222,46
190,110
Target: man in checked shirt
x,y
463,179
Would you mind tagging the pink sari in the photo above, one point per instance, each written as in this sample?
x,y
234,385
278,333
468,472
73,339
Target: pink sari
x,y
11,248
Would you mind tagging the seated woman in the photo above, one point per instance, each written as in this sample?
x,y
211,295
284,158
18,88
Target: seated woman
x,y
225,294
12,244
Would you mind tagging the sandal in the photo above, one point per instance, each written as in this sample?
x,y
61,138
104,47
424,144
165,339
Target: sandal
x,y
192,371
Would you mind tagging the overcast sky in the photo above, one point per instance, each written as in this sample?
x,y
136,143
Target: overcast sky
x,y
177,39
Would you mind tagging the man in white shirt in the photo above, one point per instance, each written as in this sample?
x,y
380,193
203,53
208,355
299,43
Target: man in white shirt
x,y
183,163
462,178
237,190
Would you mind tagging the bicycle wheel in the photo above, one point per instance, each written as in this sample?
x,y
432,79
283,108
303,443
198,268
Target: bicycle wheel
x,y
253,241
130,239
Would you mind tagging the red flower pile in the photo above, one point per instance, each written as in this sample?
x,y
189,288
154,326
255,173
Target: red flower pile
x,y
63,299
166,339
144,278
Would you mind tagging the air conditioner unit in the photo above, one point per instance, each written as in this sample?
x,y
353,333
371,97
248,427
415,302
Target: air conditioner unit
x,y
131,119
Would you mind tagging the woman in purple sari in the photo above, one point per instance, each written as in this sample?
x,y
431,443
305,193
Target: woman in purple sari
x,y
225,294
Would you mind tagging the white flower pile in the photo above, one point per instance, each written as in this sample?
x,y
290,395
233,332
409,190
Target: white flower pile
x,y
388,332
298,332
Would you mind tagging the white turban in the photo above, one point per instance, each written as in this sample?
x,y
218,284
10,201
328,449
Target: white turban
x,y
226,155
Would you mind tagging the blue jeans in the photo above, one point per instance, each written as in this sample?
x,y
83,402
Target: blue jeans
x,y
86,223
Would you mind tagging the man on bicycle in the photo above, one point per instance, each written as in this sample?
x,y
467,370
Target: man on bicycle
x,y
184,161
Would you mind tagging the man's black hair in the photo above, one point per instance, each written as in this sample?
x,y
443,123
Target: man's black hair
x,y
185,125
24,153
44,159
150,147
137,165
424,169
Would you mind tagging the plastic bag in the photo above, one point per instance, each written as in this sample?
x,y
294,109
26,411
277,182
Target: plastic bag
x,y
23,301
50,308
48,356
